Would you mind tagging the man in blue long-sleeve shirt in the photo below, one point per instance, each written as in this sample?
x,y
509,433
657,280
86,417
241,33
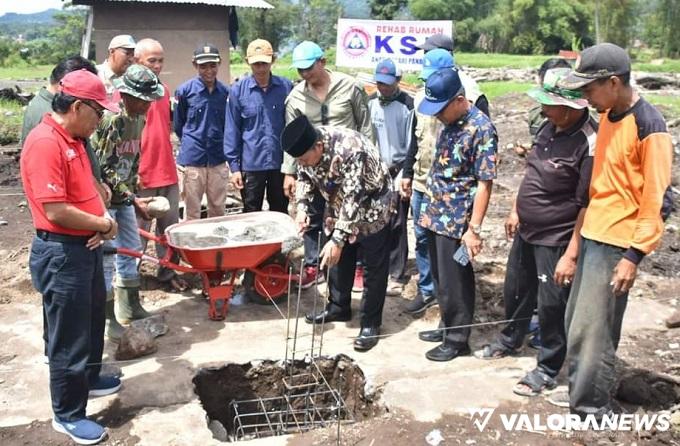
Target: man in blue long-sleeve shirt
x,y
199,124
254,122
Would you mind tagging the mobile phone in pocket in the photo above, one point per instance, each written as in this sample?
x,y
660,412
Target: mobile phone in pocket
x,y
461,255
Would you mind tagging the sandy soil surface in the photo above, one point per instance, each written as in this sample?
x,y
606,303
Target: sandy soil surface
x,y
159,405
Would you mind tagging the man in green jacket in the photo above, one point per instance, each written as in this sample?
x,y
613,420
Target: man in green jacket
x,y
117,143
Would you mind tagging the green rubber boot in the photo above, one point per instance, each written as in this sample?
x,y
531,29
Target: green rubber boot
x,y
114,331
128,307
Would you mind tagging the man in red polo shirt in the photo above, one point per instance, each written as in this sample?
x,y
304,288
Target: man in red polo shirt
x,y
66,255
157,168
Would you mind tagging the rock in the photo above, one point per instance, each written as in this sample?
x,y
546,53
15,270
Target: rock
x,y
519,150
158,207
673,320
4,222
646,388
434,438
675,420
134,343
218,430
644,434
155,325
22,204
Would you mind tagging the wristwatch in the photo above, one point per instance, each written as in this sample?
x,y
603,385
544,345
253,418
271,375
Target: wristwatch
x,y
129,200
338,241
476,229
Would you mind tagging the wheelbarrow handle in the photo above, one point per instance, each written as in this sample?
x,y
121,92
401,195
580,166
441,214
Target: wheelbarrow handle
x,y
156,260
150,236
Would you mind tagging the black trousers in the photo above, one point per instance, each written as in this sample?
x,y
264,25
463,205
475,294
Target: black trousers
x,y
528,282
256,183
454,286
70,278
341,277
315,230
399,238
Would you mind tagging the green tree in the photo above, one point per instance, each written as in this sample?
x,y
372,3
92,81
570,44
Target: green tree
x,y
386,9
66,35
535,26
319,21
618,20
273,25
465,14
7,48
661,28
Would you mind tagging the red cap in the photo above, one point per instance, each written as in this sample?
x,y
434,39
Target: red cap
x,y
83,84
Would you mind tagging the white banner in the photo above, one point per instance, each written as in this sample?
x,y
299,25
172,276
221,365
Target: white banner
x,y
364,43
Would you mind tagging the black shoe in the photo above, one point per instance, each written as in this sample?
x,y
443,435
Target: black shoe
x,y
445,352
367,339
420,304
431,335
328,316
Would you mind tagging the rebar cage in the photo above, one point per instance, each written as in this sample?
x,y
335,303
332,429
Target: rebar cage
x,y
307,401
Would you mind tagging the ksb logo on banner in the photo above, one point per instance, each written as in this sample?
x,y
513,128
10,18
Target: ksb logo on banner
x,y
364,43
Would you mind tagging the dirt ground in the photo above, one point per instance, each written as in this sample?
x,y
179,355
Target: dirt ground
x,y
158,403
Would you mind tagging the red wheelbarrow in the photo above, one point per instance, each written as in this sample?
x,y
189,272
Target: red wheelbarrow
x,y
219,248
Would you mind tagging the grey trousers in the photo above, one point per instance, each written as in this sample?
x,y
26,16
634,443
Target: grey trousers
x,y
593,324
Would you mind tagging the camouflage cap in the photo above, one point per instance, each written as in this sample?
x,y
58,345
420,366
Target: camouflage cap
x,y
140,82
550,94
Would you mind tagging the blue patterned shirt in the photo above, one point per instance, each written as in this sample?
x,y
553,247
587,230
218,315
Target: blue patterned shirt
x,y
465,153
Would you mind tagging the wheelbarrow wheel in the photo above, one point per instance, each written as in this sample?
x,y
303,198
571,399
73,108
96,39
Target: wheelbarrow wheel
x,y
262,289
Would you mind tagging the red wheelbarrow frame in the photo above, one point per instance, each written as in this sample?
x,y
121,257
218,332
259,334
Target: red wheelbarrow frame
x,y
214,264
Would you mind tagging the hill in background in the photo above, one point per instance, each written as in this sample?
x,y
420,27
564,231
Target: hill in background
x,y
29,26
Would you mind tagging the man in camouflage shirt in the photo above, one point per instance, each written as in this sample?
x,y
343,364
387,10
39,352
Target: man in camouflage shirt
x,y
345,168
117,143
457,194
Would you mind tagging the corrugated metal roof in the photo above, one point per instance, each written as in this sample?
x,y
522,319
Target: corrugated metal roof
x,y
239,3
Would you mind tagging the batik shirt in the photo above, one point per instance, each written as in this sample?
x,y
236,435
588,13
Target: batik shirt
x,y
465,153
354,182
117,143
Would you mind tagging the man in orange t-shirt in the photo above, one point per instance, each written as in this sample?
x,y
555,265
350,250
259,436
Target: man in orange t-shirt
x,y
622,224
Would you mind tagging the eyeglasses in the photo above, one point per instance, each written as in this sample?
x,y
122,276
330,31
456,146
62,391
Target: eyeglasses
x,y
98,111
324,114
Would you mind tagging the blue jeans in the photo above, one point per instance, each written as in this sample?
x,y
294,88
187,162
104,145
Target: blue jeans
x,y
425,284
70,278
593,325
127,274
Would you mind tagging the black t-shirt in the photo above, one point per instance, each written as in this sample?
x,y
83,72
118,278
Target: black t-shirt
x,y
556,182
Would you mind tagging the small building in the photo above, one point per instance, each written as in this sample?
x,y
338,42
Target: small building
x,y
179,25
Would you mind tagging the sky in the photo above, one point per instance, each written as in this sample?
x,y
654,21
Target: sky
x,y
27,6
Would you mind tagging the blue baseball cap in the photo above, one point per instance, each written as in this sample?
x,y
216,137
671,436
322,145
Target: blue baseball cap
x,y
386,72
440,89
305,54
436,60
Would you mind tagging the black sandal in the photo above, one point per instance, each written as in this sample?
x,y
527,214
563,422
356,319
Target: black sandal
x,y
495,350
534,383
